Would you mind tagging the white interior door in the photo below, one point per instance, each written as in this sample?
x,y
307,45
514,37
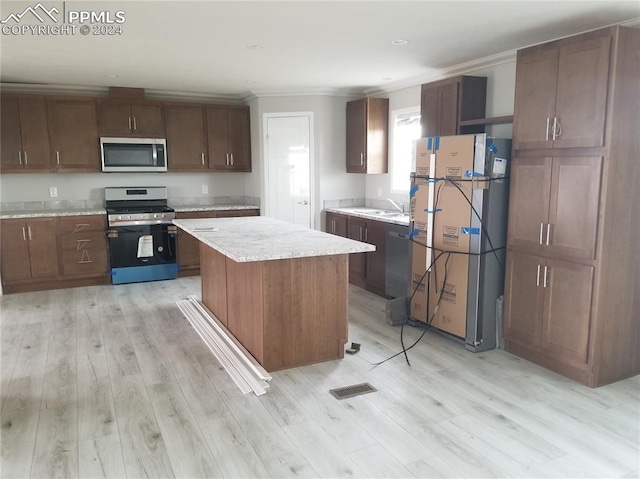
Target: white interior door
x,y
288,147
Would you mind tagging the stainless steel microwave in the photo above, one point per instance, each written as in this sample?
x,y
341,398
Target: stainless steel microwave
x,y
127,155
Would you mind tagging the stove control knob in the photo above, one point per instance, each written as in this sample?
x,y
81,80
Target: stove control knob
x,y
162,215
129,216
155,216
119,217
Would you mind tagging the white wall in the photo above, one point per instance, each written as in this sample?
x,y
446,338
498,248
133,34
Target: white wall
x,y
90,186
330,178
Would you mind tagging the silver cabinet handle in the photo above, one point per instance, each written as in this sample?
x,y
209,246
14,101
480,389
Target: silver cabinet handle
x,y
541,231
58,157
135,125
231,159
203,158
333,226
538,277
361,159
546,135
544,284
548,231
26,160
24,234
366,233
360,236
130,124
29,229
557,128
227,159
20,156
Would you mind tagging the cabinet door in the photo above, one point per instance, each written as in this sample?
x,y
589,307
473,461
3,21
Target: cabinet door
x,y
187,246
43,253
239,139
74,135
536,78
376,234
114,119
573,211
15,251
336,224
567,311
582,93
357,261
11,144
147,121
529,202
35,135
218,139
186,143
429,111
376,153
448,109
356,136
524,297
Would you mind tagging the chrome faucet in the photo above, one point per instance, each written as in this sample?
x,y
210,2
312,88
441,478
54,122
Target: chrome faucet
x,y
398,206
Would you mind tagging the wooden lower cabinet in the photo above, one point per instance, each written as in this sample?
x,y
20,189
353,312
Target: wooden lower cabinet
x,y
366,270
83,246
53,253
29,249
189,248
548,311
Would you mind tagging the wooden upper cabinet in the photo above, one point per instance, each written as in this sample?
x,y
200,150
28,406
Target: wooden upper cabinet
x,y
561,94
367,135
229,139
124,119
186,140
444,104
74,135
25,138
553,205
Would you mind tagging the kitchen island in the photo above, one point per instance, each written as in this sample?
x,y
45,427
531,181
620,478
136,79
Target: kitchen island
x,y
279,288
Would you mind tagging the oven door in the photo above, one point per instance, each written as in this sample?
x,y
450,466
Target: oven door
x,y
142,252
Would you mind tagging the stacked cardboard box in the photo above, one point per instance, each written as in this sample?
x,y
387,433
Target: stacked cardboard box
x,y
447,228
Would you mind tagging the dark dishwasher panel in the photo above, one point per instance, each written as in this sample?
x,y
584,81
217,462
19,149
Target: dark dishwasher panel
x,y
397,261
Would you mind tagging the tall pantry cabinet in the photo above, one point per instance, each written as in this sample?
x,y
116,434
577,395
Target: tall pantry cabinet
x,y
572,292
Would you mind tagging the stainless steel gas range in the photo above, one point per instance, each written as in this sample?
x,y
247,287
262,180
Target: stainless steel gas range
x,y
141,234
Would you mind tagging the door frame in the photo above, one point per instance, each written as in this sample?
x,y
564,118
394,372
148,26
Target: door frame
x,y
267,191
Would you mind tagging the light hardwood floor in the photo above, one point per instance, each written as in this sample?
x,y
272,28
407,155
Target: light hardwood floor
x,y
111,381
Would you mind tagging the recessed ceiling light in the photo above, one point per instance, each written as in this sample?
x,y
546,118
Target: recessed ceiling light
x,y
399,42
249,81
255,47
111,76
387,78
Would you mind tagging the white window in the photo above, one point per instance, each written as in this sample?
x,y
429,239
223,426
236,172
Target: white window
x,y
405,129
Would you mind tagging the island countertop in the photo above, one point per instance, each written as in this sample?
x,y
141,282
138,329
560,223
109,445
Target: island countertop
x,y
260,238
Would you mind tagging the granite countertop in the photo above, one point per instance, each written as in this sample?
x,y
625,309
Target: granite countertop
x,y
386,216
185,208
260,238
5,215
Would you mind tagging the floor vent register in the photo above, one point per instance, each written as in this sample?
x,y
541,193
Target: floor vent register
x,y
351,391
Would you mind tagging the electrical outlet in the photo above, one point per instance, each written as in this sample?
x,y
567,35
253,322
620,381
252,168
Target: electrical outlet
x,y
205,189
53,192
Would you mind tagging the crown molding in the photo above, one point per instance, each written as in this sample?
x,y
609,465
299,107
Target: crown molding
x,y
102,91
444,73
344,92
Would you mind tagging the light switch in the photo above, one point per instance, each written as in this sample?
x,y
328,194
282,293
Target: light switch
x,y
205,189
53,192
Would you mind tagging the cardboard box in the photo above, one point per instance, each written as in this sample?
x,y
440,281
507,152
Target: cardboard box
x,y
419,204
422,156
451,313
452,220
418,306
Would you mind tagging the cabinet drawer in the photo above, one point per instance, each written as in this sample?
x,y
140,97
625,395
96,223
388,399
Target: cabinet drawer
x,y
80,224
190,215
81,240
87,261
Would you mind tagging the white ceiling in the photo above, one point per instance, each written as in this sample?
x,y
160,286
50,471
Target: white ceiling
x,y
307,46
